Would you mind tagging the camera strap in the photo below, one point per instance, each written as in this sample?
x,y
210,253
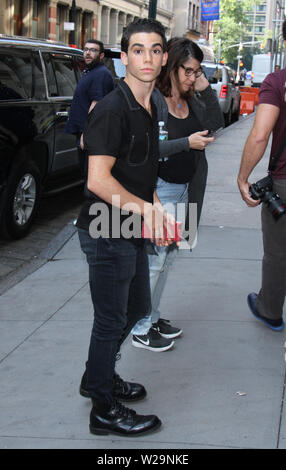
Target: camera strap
x,y
274,160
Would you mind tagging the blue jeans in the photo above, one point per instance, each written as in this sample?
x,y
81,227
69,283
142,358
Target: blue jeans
x,y
159,265
120,292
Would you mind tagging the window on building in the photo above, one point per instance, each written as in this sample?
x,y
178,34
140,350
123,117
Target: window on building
x,y
62,16
194,17
18,17
86,29
190,12
35,18
260,7
39,18
260,19
78,27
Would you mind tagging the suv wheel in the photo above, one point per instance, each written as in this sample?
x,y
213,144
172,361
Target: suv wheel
x,y
235,116
21,201
227,117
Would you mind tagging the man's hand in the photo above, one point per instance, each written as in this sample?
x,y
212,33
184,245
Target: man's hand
x,y
156,220
81,144
256,143
244,191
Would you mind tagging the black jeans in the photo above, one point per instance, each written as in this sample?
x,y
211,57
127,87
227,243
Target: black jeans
x,y
120,292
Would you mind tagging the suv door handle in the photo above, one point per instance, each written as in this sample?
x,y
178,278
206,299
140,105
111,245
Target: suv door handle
x,y
62,113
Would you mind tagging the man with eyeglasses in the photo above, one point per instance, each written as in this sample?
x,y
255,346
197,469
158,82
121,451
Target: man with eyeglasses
x,y
189,108
95,83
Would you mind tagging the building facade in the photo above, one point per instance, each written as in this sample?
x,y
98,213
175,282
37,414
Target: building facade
x,y
97,19
261,19
188,19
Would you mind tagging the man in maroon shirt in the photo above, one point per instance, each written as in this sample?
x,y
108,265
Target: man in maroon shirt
x,y
270,117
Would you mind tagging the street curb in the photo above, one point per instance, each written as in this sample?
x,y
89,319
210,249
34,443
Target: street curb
x,y
54,246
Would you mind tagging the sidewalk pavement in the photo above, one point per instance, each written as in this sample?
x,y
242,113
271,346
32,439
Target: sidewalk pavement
x,y
220,387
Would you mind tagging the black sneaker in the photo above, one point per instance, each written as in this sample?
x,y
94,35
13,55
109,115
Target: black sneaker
x,y
117,419
166,329
152,341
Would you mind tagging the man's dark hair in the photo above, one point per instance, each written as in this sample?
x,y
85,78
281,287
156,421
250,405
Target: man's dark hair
x,y
179,51
142,25
95,41
284,30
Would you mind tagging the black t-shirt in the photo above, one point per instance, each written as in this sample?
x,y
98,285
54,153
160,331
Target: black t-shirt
x,y
181,167
120,127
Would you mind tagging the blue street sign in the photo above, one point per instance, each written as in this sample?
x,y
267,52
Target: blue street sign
x,y
209,10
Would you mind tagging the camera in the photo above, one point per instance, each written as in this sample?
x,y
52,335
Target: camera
x,y
262,189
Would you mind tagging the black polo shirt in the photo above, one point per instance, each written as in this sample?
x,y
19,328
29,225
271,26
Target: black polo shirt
x,y
120,127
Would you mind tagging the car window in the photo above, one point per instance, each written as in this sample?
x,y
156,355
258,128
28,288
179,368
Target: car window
x,y
229,74
61,74
15,75
115,66
213,72
65,75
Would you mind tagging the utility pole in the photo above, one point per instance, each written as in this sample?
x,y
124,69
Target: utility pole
x,y
239,56
152,9
219,50
277,37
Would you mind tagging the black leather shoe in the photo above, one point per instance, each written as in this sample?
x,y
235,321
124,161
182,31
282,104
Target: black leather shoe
x,y
117,419
123,391
128,391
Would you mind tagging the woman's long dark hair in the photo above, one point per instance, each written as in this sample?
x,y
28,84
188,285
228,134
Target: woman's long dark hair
x,y
179,51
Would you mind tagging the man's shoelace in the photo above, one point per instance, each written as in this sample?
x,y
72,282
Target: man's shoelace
x,y
119,382
118,408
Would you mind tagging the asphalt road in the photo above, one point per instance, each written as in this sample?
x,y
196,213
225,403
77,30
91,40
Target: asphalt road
x,y
54,214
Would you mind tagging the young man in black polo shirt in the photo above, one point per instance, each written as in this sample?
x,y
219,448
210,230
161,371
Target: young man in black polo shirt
x,y
121,138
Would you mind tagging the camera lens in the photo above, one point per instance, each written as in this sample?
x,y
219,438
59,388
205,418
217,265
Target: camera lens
x,y
275,205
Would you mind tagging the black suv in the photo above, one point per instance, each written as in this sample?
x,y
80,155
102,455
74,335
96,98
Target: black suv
x,y
37,83
37,157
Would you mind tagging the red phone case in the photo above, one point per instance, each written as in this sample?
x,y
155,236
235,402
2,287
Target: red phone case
x,y
177,235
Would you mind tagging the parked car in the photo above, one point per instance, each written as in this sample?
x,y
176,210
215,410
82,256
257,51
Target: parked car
x,y
222,81
113,62
37,156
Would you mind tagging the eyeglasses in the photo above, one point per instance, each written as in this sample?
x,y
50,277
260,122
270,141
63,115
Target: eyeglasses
x,y
91,49
189,72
